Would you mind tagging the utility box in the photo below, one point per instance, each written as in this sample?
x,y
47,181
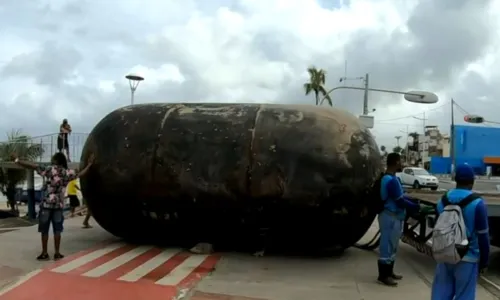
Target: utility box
x,y
366,120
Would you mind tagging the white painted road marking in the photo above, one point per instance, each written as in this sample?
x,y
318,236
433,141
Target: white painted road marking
x,y
148,266
118,261
182,270
87,258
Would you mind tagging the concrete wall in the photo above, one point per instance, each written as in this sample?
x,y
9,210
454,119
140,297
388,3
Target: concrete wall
x,y
473,143
476,141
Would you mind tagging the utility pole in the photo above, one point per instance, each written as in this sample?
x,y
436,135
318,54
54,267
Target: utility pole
x,y
407,146
365,98
452,139
407,150
366,89
423,136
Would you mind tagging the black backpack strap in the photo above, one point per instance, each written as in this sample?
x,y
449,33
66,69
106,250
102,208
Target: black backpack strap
x,y
444,200
467,200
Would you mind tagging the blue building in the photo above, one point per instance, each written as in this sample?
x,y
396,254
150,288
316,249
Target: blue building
x,y
477,146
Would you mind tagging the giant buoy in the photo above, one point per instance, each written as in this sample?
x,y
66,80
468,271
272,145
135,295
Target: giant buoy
x,y
235,175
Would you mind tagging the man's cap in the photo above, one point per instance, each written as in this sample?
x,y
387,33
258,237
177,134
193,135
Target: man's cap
x,y
464,172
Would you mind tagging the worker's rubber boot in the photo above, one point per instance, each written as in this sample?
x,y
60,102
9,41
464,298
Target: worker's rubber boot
x,y
394,275
384,275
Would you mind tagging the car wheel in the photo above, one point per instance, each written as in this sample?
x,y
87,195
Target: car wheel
x,y
434,188
416,185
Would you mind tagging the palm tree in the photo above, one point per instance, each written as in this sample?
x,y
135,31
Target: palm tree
x,y
21,145
414,136
397,149
316,84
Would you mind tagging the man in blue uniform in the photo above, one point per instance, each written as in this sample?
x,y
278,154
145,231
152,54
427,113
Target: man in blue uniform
x,y
458,281
391,220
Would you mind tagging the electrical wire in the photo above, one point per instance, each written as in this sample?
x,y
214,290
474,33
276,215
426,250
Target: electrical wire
x,y
465,113
414,115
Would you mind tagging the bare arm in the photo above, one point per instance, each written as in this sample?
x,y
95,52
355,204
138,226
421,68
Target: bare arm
x,y
27,165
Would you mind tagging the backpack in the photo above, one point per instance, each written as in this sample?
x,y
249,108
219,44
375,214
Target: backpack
x,y
376,195
450,242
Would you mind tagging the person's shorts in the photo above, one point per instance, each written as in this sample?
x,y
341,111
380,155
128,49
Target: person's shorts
x,y
73,201
62,143
50,216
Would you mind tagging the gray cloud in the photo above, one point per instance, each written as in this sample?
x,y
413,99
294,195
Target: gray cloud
x,y
49,65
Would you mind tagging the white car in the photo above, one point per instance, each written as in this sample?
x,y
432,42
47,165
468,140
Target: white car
x,y
418,178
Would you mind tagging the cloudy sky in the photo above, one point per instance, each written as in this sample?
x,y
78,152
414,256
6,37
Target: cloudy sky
x,y
67,59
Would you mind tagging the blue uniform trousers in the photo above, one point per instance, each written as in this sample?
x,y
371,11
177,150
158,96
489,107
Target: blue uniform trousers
x,y
455,282
390,232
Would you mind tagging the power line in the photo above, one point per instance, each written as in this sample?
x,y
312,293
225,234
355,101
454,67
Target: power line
x,y
465,113
414,115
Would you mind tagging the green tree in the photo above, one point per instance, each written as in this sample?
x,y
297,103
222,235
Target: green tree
x,y
414,136
397,149
316,84
22,146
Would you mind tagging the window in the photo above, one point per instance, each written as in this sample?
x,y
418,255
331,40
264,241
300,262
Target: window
x,y
420,172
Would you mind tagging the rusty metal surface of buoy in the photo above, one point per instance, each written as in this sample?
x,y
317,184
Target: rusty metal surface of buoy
x,y
235,175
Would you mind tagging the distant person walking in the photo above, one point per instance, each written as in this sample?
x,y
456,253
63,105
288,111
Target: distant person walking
x,y
73,189
87,218
62,138
57,176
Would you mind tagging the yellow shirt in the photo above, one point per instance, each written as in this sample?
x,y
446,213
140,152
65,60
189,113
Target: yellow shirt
x,y
72,187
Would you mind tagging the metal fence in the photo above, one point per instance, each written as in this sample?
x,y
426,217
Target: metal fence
x,y
48,142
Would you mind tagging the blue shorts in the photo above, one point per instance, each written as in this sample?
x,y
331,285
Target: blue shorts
x,y
48,216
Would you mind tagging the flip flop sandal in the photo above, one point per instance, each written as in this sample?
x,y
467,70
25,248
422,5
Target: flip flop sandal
x,y
58,256
43,256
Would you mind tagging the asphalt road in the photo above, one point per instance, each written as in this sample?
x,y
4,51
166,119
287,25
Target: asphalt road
x,y
481,185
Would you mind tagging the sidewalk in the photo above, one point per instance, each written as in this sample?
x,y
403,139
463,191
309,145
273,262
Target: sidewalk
x,y
21,246
236,276
351,276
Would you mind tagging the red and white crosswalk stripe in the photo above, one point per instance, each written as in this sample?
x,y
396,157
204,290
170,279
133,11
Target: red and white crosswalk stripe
x,y
141,264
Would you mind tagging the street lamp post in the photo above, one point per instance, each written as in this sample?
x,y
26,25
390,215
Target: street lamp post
x,y
397,137
133,81
366,88
417,96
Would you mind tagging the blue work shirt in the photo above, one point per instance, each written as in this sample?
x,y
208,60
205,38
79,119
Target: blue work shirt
x,y
392,194
476,222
